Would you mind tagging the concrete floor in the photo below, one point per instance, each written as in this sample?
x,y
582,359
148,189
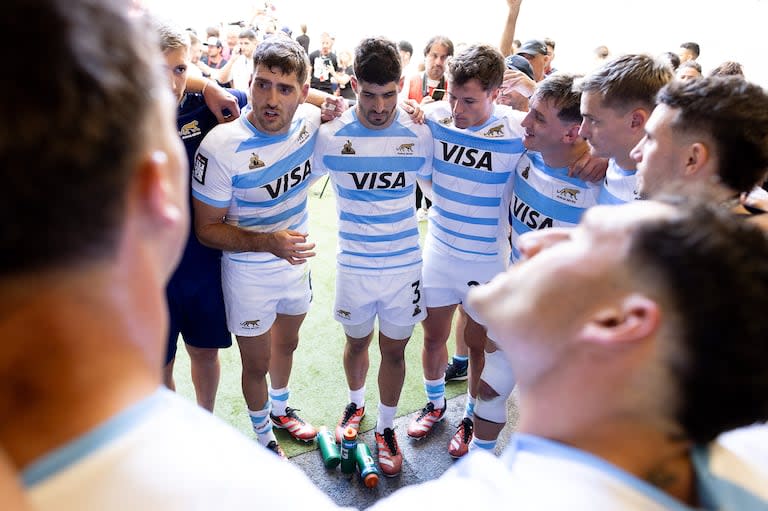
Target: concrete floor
x,y
422,460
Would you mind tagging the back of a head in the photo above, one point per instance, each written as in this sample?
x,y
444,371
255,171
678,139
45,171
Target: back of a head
x,y
731,112
628,81
728,68
559,88
406,47
283,53
377,60
79,122
712,270
481,62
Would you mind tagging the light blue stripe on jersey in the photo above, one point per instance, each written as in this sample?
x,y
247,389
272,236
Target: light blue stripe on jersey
x,y
267,220
470,174
473,252
718,493
373,163
80,448
280,168
466,219
301,221
463,235
377,239
465,199
207,200
377,219
496,145
373,195
545,205
381,254
397,267
300,188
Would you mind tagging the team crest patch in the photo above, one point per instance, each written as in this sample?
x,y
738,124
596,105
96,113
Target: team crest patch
x,y
496,131
344,314
569,194
303,134
526,171
189,130
405,148
201,166
255,162
348,149
250,324
446,120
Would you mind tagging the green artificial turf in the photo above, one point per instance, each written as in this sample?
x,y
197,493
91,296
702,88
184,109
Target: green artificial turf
x,y
318,387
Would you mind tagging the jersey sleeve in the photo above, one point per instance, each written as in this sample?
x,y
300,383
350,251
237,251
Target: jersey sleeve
x,y
211,182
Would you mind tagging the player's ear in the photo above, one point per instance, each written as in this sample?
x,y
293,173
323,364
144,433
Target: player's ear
x,y
632,318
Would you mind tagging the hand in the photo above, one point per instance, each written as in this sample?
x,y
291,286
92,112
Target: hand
x,y
519,82
223,104
291,246
412,108
332,107
427,100
589,168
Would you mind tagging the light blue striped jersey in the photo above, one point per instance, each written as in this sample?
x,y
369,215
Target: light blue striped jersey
x,y
543,197
619,185
262,179
374,176
471,168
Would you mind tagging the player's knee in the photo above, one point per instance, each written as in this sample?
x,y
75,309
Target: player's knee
x,y
493,409
485,391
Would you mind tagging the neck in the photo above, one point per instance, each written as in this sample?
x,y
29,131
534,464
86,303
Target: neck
x,y
565,155
627,438
86,346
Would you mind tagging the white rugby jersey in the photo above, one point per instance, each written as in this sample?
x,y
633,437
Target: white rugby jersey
x,y
619,185
543,197
374,176
471,168
262,179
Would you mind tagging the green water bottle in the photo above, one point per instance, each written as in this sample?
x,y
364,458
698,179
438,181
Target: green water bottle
x,y
328,448
369,474
348,445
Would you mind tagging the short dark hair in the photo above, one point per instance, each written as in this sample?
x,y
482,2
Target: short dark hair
x,y
734,114
719,364
248,34
442,41
728,68
673,59
406,47
482,62
79,126
628,80
693,48
283,53
559,88
377,60
690,63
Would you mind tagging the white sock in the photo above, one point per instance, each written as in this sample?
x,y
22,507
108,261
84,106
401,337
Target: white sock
x,y
386,418
436,391
279,399
357,396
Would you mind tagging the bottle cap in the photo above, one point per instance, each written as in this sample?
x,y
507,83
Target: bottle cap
x,y
350,433
371,480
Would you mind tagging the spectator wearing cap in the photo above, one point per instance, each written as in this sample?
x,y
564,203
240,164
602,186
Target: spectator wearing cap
x,y
214,59
537,54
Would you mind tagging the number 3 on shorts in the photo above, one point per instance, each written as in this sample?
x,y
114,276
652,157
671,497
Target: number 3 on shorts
x,y
416,291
